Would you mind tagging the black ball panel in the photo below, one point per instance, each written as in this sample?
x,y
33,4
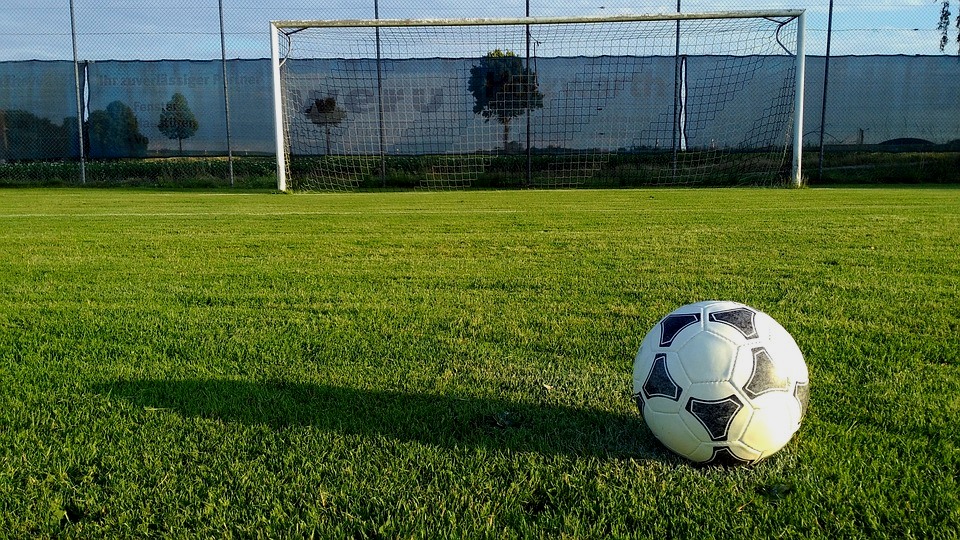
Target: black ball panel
x,y
659,382
765,377
672,325
743,319
715,416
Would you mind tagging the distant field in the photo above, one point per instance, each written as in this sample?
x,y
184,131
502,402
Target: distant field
x,y
220,364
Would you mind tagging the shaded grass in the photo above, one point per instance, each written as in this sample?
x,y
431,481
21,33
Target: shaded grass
x,y
458,364
872,167
843,165
171,173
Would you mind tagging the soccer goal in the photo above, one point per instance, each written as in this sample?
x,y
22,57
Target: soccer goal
x,y
667,99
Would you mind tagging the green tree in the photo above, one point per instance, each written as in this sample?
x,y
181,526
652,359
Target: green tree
x,y
115,132
325,112
3,134
944,26
503,89
24,135
177,120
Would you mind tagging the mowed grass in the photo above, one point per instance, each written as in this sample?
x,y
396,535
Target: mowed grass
x,y
458,365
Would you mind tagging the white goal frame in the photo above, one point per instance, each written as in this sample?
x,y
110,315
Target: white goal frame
x,y
276,26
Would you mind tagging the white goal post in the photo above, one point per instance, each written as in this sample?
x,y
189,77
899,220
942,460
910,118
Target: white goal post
x,y
654,99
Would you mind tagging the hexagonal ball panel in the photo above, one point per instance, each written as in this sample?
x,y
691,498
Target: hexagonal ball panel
x,y
708,357
773,424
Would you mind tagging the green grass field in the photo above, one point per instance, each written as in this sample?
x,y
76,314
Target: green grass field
x,y
458,365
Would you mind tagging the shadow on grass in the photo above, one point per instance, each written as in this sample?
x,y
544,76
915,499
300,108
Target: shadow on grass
x,y
445,421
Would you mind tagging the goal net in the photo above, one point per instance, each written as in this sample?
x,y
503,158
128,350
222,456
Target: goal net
x,y
680,99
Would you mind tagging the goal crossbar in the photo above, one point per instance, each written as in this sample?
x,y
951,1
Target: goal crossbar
x,y
519,21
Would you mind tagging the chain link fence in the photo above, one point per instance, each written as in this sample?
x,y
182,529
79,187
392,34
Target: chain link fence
x,y
86,88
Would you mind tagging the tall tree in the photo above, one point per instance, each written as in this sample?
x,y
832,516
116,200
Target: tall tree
x,y
115,132
944,26
503,89
325,113
177,120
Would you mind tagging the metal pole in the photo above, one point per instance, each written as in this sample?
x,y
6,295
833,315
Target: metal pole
x,y
527,91
76,78
226,95
797,174
676,98
383,141
826,78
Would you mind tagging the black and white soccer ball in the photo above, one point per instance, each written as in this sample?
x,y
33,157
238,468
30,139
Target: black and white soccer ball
x,y
721,382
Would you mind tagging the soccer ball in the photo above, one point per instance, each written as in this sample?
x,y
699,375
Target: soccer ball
x,y
721,382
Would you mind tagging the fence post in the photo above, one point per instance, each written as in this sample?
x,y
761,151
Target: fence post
x,y
226,95
76,81
527,92
676,99
826,78
382,127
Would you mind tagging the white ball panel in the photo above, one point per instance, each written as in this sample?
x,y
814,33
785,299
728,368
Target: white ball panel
x,y
676,370
701,453
765,323
708,357
742,366
711,391
788,353
740,422
744,452
784,402
771,428
641,367
670,431
649,342
662,405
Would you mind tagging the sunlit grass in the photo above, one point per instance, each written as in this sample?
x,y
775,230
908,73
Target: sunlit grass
x,y
458,364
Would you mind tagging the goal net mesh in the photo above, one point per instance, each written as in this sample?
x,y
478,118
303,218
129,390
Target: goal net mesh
x,y
584,104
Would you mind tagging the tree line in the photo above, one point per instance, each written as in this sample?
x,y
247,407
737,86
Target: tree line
x,y
111,132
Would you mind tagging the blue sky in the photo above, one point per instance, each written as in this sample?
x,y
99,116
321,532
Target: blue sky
x,y
178,29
